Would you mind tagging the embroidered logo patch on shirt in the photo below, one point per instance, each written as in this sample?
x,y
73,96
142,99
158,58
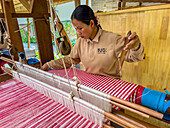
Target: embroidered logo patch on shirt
x,y
102,50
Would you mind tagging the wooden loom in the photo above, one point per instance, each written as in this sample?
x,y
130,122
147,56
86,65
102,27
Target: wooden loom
x,y
42,44
53,80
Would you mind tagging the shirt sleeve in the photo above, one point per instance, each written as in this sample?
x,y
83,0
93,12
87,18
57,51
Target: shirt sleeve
x,y
72,58
133,55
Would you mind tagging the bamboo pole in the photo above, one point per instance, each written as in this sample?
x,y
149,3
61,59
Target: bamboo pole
x,y
138,107
120,120
28,30
107,126
124,102
116,122
130,109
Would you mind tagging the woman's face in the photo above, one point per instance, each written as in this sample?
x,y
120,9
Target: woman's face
x,y
82,29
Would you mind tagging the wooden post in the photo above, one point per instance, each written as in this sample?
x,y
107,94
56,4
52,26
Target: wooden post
x,y
12,26
124,4
42,31
4,77
77,3
28,30
119,4
87,2
25,3
140,4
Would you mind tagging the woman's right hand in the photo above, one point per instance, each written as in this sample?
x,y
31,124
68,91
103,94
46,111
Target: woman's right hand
x,y
45,67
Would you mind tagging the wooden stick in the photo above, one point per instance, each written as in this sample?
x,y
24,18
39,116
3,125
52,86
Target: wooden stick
x,y
120,120
116,122
107,126
4,77
123,54
130,109
7,60
7,70
134,120
124,102
138,107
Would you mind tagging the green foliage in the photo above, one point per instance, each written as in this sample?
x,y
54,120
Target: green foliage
x,y
68,28
24,36
70,31
57,55
37,54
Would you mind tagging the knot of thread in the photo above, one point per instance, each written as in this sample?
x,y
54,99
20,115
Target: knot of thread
x,y
71,95
77,84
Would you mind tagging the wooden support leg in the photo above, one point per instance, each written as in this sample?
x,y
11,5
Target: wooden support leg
x,y
119,4
42,31
12,26
77,3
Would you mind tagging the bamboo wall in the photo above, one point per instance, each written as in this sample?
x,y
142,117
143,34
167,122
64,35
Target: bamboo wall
x,y
152,24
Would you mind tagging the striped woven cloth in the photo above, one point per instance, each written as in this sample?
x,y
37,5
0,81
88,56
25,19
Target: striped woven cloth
x,y
114,87
22,107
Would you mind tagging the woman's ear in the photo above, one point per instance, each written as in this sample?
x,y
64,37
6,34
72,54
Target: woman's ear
x,y
92,23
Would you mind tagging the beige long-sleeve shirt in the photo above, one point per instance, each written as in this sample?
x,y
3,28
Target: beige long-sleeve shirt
x,y
100,55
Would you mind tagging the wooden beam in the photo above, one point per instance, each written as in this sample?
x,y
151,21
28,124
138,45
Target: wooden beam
x,y
77,3
42,30
119,4
149,1
31,5
12,26
87,2
58,2
5,77
28,30
25,4
26,15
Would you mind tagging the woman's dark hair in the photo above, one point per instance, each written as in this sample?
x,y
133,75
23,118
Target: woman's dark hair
x,y
84,14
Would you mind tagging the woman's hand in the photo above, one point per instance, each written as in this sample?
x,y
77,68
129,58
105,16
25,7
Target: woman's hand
x,y
45,67
134,42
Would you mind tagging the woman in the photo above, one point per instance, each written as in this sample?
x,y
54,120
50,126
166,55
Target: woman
x,y
97,49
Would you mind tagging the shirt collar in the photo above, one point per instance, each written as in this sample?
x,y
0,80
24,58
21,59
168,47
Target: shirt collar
x,y
97,37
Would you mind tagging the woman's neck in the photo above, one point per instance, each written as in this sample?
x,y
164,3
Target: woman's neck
x,y
95,30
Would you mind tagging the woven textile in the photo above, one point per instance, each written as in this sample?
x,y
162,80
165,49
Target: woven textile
x,y
114,87
22,106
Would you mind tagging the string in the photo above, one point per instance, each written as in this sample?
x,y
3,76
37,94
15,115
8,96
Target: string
x,y
3,25
6,34
28,25
51,11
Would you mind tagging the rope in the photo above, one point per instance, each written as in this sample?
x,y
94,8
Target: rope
x,y
51,11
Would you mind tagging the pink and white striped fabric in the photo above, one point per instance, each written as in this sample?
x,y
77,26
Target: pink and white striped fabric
x,y
114,87
22,107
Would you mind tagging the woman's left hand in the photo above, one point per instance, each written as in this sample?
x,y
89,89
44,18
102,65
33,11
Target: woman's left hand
x,y
134,42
